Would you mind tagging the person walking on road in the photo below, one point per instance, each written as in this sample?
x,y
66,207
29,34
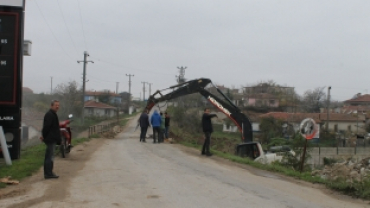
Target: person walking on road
x,y
156,124
144,124
162,128
51,137
207,129
166,124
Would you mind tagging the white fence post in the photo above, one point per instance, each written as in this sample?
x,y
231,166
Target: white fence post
x,y
4,147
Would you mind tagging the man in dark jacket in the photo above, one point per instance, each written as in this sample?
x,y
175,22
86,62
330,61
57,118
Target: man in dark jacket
x,y
144,124
156,121
207,129
166,124
50,136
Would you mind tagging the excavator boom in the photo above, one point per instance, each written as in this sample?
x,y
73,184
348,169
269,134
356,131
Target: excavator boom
x,y
225,106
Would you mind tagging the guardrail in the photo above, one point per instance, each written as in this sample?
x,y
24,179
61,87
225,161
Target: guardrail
x,y
101,128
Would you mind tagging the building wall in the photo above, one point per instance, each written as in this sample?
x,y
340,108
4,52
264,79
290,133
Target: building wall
x,y
344,126
262,102
100,112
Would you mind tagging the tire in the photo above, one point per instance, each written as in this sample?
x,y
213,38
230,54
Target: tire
x,y
63,147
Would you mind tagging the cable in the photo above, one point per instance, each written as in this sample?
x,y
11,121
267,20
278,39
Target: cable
x,y
52,30
70,36
120,66
82,26
98,79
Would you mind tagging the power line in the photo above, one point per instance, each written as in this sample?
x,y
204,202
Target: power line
x,y
82,26
52,30
70,36
120,66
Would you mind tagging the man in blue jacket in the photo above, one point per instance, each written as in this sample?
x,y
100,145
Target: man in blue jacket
x,y
156,121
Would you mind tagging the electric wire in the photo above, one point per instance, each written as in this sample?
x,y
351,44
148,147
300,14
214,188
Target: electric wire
x,y
52,30
82,26
120,66
70,36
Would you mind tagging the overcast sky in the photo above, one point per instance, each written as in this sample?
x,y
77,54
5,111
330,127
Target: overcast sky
x,y
302,44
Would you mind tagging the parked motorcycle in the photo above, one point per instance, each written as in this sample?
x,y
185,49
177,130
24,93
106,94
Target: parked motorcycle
x,y
66,135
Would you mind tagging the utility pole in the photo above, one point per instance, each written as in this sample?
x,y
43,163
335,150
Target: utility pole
x,y
51,86
150,88
328,103
181,77
129,91
85,61
144,89
117,84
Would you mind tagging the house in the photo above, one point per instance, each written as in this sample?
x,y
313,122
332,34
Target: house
x,y
359,100
94,108
103,96
261,100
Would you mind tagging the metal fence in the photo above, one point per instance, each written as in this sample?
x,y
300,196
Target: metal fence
x,y
101,128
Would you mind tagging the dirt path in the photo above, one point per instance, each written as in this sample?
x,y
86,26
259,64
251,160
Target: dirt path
x,y
123,172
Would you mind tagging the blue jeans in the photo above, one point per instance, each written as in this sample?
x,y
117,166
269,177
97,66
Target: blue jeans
x,y
166,129
49,159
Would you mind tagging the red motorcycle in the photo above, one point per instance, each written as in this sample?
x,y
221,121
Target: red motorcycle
x,y
66,135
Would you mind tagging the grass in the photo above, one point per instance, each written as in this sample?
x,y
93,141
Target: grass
x,y
32,158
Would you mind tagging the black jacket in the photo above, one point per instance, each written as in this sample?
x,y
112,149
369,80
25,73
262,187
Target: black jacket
x,y
50,129
167,121
144,120
207,123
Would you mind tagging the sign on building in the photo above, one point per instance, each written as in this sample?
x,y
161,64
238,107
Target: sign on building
x,y
11,59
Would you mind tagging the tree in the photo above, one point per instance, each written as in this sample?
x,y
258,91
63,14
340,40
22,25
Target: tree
x,y
271,128
313,100
70,98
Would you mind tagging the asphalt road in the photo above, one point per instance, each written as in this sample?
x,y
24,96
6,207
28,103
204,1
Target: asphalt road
x,y
124,172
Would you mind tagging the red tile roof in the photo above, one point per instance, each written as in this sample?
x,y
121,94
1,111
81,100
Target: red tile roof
x,y
94,104
361,98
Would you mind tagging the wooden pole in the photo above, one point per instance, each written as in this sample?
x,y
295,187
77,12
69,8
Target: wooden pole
x,y
304,155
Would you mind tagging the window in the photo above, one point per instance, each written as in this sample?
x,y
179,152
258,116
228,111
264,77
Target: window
x,y
90,111
349,128
336,127
272,102
106,112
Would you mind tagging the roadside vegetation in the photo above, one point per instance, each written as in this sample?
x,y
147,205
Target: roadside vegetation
x,y
186,130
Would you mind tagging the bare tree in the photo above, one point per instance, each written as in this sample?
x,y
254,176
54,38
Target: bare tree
x,y
313,100
70,98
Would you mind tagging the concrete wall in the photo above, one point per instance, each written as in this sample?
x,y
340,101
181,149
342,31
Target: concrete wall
x,y
99,112
318,153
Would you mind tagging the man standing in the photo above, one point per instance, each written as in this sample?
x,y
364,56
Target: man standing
x,y
144,124
166,124
156,124
162,128
207,129
50,136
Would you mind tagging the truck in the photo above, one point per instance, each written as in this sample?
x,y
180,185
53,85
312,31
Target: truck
x,y
247,147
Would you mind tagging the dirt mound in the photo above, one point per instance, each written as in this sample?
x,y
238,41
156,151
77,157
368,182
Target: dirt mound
x,y
349,170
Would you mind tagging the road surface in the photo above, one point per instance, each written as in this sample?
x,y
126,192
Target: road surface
x,y
124,172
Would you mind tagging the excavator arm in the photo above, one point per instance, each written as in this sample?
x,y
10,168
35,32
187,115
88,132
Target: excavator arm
x,y
225,106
